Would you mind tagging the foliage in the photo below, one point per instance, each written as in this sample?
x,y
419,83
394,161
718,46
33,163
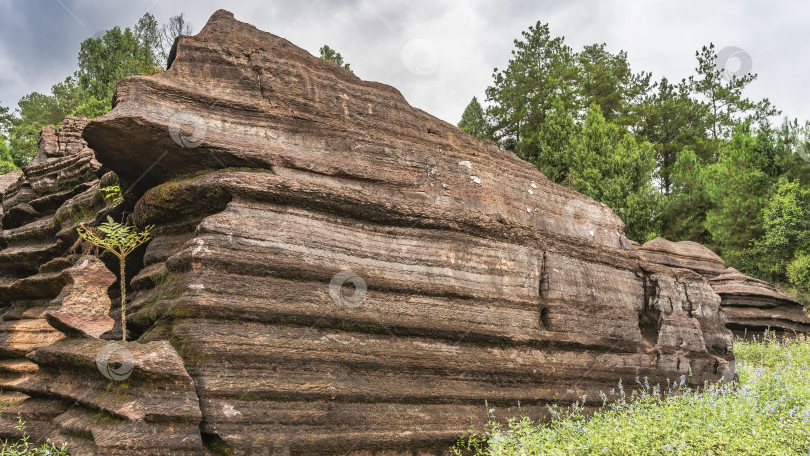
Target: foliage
x,y
672,121
798,273
6,157
473,120
601,161
542,70
102,62
120,240
738,187
332,55
112,194
722,92
684,210
606,80
23,447
716,158
786,228
766,413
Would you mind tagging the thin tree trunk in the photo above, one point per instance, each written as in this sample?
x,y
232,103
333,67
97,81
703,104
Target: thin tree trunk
x,y
123,302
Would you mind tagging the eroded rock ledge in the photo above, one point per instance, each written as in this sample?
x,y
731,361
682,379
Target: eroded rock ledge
x,y
754,305
41,209
749,305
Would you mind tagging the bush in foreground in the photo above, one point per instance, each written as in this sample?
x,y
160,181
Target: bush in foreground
x,y
766,413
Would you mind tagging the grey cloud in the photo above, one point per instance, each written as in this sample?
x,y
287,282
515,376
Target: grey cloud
x,y
39,39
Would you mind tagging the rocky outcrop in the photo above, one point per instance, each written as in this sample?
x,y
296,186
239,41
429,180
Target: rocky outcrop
x,y
6,181
41,209
684,254
83,306
341,273
109,398
754,305
101,397
748,304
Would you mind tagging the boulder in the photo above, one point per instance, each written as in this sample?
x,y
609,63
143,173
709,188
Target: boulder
x,y
753,305
342,273
684,254
83,306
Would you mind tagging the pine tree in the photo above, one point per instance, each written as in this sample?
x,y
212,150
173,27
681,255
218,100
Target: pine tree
x,y
473,120
332,55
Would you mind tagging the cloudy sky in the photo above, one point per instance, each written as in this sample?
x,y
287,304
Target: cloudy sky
x,y
439,54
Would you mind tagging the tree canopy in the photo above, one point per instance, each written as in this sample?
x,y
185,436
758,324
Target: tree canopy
x,y
695,159
102,61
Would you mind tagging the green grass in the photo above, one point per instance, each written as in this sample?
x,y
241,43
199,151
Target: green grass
x,y
23,447
766,413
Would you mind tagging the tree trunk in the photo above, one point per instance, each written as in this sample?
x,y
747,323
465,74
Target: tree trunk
x,y
123,301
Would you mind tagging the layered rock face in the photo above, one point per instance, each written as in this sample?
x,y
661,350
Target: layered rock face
x,y
101,397
748,304
340,272
754,305
684,254
41,210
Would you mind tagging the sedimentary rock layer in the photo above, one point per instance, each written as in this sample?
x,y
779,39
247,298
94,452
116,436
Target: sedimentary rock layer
x,y
41,209
145,405
754,305
684,254
343,273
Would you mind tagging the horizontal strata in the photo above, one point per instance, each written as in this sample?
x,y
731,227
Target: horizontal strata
x,y
41,210
451,317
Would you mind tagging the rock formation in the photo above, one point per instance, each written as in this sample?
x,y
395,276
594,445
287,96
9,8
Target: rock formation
x,y
340,272
130,398
754,305
41,209
685,254
83,306
748,304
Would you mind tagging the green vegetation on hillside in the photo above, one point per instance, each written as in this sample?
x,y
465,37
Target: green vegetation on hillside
x,y
691,160
766,413
332,55
102,62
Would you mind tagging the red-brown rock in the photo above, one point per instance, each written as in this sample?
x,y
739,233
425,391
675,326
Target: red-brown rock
x,y
42,205
754,305
109,398
684,254
83,305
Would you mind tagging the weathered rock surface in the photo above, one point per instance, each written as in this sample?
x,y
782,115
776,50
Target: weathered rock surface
x,y
343,273
6,181
101,397
83,306
748,304
41,209
684,254
144,405
476,279
755,305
